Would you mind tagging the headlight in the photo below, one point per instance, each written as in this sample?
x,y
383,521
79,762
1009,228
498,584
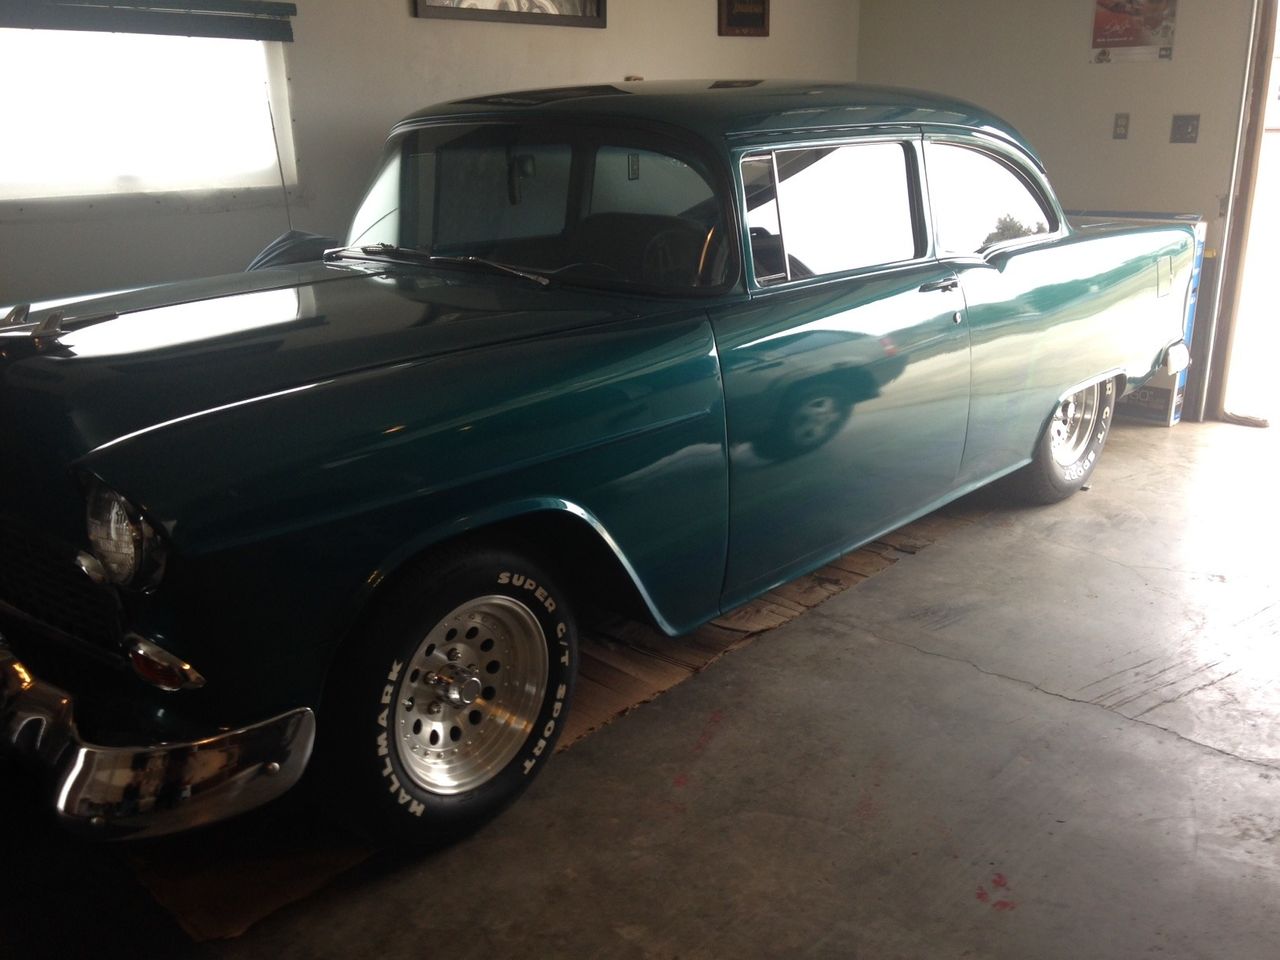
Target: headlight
x,y
122,539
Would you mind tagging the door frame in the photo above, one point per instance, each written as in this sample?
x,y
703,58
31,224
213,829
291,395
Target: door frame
x,y
1207,392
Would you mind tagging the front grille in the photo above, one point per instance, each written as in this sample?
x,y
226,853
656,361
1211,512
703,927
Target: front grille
x,y
42,582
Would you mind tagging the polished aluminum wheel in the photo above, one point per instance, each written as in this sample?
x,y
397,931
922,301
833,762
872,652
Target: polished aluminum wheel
x,y
468,698
1073,424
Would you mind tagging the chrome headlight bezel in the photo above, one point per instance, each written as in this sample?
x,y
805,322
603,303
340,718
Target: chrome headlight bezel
x,y
122,539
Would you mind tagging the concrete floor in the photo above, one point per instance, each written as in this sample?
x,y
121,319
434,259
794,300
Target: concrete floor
x,y
1050,735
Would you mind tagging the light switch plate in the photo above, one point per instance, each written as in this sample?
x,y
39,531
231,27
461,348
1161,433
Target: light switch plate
x,y
1186,128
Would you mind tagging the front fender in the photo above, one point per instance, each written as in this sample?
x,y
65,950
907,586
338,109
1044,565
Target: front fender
x,y
283,514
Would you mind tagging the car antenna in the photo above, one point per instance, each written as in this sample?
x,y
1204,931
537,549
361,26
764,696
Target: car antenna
x,y
275,139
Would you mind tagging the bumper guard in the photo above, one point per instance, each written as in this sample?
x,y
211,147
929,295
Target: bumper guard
x,y
147,791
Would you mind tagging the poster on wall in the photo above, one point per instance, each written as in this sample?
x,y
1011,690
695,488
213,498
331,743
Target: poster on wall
x,y
1129,30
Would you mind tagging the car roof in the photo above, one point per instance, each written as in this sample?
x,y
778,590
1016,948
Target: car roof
x,y
716,109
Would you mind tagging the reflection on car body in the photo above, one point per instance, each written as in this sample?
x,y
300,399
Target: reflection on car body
x,y
823,375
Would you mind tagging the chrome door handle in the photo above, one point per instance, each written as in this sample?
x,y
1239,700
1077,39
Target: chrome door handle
x,y
945,285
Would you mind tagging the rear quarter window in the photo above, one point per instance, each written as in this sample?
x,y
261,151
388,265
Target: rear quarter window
x,y
979,200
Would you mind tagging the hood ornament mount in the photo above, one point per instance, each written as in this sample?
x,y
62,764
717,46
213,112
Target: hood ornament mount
x,y
20,315
16,316
51,326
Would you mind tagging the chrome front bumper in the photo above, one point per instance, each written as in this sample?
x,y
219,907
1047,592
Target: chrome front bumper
x,y
146,791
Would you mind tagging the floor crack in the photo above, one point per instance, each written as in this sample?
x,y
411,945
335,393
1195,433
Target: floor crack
x,y
1127,565
1264,764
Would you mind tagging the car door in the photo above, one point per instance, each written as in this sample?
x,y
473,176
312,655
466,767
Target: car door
x,y
1029,288
846,370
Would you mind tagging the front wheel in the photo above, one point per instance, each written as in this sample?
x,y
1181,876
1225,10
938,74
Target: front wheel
x,y
1068,450
451,698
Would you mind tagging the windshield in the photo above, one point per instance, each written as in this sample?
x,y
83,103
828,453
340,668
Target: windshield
x,y
582,204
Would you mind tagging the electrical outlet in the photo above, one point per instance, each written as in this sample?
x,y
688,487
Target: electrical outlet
x,y
1121,129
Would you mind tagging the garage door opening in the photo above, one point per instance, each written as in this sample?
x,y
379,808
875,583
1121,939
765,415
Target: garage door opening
x,y
1252,388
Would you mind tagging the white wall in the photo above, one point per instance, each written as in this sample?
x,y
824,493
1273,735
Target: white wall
x,y
1029,61
355,68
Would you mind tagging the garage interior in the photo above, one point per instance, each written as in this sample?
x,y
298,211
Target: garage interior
x,y
1029,733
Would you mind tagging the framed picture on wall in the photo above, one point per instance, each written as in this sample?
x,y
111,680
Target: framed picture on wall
x,y
744,18
559,13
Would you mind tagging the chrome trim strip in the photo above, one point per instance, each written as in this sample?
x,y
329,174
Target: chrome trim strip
x,y
1097,378
147,791
203,413
583,514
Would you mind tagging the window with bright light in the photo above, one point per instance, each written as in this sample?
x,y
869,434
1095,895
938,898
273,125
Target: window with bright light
x,y
829,209
88,114
846,207
979,200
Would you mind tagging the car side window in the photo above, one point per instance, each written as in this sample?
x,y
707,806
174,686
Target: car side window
x,y
827,210
979,200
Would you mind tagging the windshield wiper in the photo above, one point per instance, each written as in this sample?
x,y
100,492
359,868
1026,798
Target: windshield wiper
x,y
423,256
495,265
380,249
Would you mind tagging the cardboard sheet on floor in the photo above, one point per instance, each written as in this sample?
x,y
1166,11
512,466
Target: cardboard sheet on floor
x,y
219,882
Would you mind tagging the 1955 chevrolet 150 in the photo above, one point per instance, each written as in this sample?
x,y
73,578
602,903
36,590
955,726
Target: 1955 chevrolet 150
x,y
660,345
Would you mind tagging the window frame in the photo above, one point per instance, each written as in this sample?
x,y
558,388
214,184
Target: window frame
x,y
921,221
1013,161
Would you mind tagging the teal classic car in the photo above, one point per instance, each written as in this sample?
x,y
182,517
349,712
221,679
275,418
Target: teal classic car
x,y
654,347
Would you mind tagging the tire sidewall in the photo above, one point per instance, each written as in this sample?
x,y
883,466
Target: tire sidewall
x,y
388,792
1066,479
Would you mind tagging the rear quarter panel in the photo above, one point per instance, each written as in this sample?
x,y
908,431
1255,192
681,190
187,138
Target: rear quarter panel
x,y
1048,316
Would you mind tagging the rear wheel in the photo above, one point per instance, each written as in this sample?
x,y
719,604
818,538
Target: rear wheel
x,y
452,698
1068,451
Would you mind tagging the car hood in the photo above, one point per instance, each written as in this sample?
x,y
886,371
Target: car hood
x,y
129,362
